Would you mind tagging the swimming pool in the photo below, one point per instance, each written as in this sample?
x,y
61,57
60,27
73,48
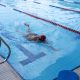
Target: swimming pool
x,y
35,61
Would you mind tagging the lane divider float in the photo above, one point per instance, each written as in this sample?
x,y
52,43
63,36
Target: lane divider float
x,y
49,21
3,5
61,8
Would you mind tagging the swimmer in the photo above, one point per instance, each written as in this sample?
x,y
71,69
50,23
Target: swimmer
x,y
35,37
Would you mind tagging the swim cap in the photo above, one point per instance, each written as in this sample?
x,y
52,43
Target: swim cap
x,y
42,38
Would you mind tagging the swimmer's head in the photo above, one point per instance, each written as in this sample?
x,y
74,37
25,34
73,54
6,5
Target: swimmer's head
x,y
42,38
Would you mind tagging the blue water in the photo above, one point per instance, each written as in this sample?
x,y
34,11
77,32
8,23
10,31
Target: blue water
x,y
37,61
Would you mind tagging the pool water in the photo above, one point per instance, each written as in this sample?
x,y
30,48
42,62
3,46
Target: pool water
x,y
38,61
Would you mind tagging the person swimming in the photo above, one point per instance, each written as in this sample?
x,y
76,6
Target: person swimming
x,y
35,37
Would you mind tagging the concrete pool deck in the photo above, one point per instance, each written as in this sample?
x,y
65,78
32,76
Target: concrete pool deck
x,y
77,70
7,73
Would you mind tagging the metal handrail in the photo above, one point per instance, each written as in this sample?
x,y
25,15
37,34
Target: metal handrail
x,y
9,53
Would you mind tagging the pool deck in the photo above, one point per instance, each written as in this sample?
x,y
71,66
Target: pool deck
x,y
77,70
7,73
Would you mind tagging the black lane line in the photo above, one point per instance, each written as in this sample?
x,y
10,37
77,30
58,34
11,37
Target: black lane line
x,y
31,57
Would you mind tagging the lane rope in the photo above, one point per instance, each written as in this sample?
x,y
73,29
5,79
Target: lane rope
x,y
49,21
3,5
61,8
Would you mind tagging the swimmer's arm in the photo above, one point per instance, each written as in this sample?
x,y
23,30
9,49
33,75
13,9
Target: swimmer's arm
x,y
27,25
49,45
21,33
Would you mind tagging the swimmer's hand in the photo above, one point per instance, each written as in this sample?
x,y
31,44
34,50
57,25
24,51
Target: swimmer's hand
x,y
54,48
51,47
27,25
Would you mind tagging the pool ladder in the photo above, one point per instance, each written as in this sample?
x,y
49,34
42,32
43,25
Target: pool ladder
x,y
9,50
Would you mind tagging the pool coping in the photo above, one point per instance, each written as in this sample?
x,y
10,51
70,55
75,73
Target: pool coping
x,y
11,69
